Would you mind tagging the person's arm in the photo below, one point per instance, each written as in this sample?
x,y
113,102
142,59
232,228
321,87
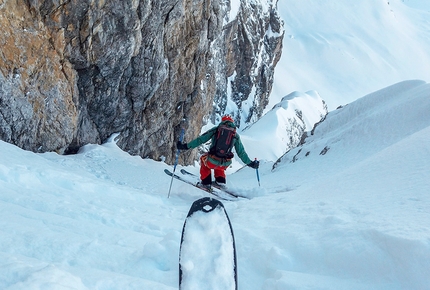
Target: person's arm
x,y
202,138
240,150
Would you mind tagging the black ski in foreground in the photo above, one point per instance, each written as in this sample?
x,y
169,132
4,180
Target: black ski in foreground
x,y
207,256
226,190
215,191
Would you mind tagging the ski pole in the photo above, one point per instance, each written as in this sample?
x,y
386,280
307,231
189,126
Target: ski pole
x,y
181,137
258,175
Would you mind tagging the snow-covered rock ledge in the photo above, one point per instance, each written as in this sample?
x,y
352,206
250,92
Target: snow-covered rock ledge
x,y
281,129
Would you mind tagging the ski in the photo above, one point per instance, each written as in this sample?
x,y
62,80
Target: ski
x,y
215,191
226,190
207,255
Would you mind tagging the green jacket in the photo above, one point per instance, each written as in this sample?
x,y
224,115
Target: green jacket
x,y
210,134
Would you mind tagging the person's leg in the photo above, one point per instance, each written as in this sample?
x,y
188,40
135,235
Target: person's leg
x,y
220,174
205,171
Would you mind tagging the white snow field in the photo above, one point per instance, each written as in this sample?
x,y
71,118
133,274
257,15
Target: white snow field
x,y
349,209
356,217
347,49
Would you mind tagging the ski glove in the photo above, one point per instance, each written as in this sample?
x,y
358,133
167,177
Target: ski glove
x,y
254,164
182,146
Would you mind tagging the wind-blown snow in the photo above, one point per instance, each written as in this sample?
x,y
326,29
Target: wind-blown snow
x,y
354,218
346,49
418,4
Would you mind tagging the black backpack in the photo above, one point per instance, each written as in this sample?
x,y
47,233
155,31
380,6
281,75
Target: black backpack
x,y
223,142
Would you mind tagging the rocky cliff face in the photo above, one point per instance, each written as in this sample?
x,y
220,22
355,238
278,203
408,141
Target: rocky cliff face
x,y
253,48
75,72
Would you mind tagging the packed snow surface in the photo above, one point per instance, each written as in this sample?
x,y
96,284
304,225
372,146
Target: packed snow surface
x,y
351,211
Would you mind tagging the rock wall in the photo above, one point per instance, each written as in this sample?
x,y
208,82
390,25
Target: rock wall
x,y
38,92
75,72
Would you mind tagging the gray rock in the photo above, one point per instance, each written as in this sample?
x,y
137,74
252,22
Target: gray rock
x,y
76,72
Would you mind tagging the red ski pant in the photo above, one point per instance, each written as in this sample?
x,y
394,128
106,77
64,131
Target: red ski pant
x,y
206,166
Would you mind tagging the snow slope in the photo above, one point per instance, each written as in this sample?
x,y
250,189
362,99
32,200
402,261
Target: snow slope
x,y
281,128
347,210
356,217
346,49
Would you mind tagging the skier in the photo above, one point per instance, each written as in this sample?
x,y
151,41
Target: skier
x,y
223,139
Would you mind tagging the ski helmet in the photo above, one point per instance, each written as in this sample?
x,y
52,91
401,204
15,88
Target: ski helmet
x,y
227,118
